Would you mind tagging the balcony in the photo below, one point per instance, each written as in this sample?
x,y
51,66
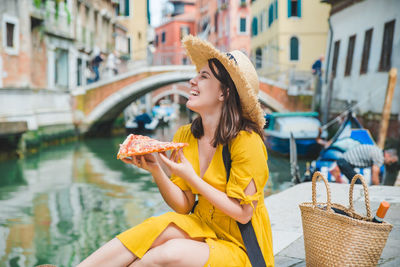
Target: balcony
x,y
57,19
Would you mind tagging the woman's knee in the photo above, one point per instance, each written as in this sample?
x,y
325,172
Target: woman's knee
x,y
177,252
172,231
167,254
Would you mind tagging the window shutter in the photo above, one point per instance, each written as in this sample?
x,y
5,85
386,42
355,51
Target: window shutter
x,y
299,8
126,7
289,6
255,26
276,9
270,15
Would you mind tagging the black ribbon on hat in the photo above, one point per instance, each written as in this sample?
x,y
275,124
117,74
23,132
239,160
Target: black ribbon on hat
x,y
230,57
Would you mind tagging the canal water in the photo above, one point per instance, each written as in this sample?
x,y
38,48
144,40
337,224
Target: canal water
x,y
59,205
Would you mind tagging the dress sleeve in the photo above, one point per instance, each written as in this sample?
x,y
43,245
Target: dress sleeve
x,y
249,161
180,138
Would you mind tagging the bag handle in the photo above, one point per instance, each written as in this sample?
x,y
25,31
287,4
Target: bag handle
x,y
316,177
367,205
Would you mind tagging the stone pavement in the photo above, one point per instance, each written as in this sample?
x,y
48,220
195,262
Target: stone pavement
x,y
284,212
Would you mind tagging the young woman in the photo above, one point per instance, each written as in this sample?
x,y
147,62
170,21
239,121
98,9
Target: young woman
x,y
224,94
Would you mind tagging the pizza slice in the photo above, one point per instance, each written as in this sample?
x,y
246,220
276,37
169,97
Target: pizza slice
x,y
135,145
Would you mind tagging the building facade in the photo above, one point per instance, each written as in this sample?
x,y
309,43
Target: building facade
x,y
226,24
45,51
135,17
178,21
364,46
287,36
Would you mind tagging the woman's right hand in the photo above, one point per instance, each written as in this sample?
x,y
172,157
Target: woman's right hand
x,y
147,162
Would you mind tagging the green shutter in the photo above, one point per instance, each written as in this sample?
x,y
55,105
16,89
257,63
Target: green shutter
x,y
126,8
255,27
294,48
299,8
289,8
276,9
270,15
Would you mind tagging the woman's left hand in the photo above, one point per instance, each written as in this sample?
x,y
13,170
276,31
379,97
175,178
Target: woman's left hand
x,y
179,165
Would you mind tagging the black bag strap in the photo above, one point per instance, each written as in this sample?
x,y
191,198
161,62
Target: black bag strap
x,y
247,230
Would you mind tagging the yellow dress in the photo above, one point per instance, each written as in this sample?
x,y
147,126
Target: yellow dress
x,y
220,231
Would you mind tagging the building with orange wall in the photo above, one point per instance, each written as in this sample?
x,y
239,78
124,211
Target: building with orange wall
x,y
178,22
226,24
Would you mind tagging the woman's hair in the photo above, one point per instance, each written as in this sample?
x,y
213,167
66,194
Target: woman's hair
x,y
232,120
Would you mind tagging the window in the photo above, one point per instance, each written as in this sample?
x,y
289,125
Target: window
x,y
10,34
294,49
254,27
365,53
163,37
185,30
61,68
294,8
79,72
387,44
129,45
258,58
156,41
10,28
242,27
349,57
335,58
270,15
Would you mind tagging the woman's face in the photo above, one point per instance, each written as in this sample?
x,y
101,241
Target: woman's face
x,y
205,94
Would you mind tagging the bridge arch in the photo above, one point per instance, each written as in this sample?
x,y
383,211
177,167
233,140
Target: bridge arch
x,y
103,114
175,90
102,102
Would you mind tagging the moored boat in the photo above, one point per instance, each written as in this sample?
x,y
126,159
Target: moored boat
x,y
304,127
141,124
350,134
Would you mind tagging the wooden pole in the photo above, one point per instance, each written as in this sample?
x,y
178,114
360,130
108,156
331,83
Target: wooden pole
x,y
387,107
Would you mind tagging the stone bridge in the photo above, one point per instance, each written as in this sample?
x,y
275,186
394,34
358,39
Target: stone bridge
x,y
97,105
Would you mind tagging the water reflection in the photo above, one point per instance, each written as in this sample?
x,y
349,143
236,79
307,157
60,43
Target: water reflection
x,y
61,204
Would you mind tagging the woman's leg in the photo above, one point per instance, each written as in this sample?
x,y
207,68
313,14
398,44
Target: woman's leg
x,y
176,252
113,253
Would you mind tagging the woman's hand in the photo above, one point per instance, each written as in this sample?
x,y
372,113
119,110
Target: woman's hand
x,y
179,165
147,162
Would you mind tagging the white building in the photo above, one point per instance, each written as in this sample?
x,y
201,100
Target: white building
x,y
363,45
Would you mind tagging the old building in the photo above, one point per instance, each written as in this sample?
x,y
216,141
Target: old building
x,y
226,24
178,21
287,37
45,52
135,17
363,45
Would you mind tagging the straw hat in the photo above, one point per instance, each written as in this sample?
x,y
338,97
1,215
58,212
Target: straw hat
x,y
240,69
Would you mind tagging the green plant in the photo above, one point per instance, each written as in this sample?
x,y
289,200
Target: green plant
x,y
44,3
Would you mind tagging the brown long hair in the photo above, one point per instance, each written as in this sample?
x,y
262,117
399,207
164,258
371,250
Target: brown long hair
x,y
232,120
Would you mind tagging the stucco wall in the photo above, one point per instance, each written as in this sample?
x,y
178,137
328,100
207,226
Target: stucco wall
x,y
367,89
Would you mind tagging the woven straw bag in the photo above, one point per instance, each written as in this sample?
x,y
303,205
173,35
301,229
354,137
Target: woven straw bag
x,y
333,239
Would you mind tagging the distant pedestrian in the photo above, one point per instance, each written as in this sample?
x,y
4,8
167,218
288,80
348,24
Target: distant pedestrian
x,y
96,65
112,63
363,156
317,66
